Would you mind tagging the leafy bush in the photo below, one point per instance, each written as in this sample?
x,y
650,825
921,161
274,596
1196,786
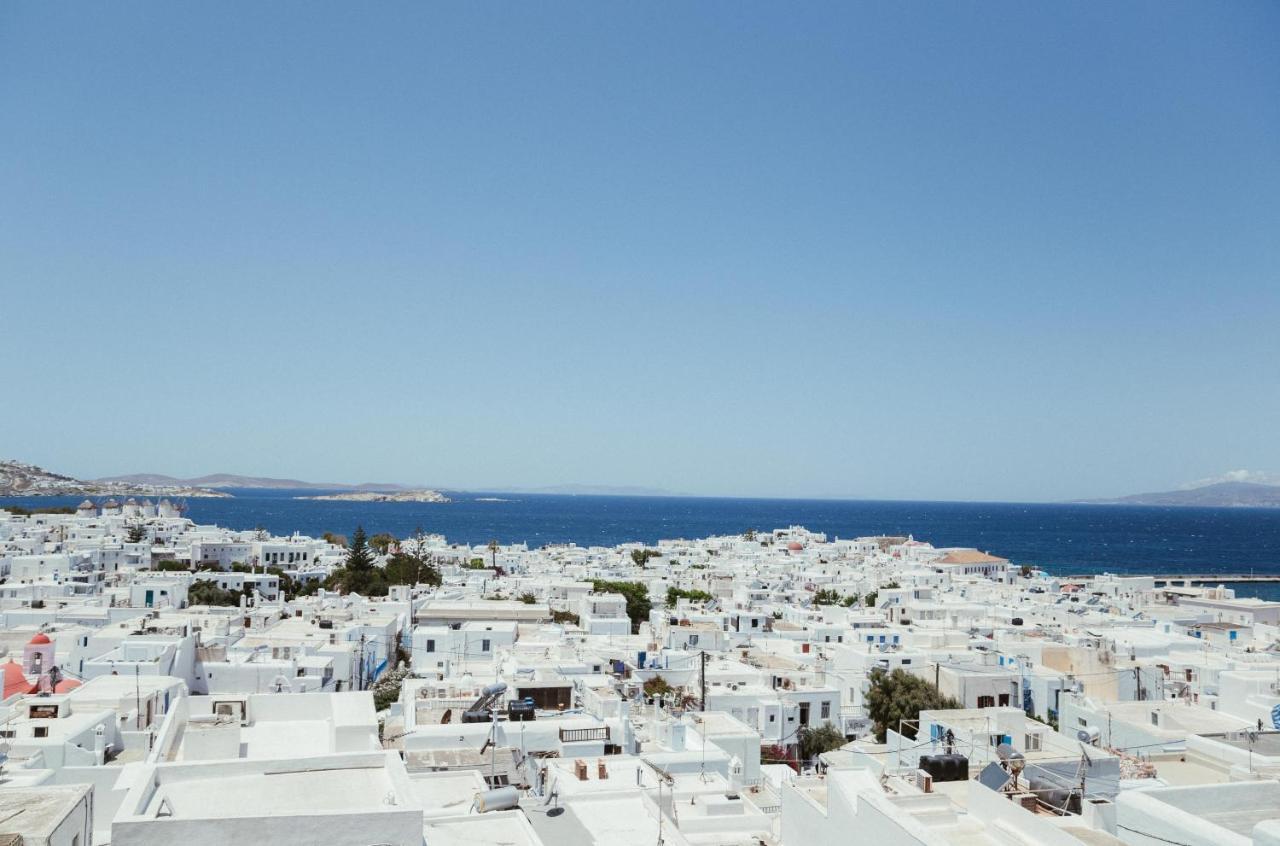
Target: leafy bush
x,y
657,686
386,690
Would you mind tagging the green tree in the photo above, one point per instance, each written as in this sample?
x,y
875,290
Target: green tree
x,y
382,542
359,559
19,511
640,557
205,592
136,533
869,601
493,553
675,594
358,574
815,741
636,594
826,596
336,540
528,598
411,568
564,617
899,696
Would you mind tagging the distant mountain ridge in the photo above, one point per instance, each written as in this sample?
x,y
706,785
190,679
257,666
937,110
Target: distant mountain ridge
x,y
1217,495
20,479
230,480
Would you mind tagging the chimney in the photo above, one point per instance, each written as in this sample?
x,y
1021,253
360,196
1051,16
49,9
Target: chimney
x,y
602,772
580,769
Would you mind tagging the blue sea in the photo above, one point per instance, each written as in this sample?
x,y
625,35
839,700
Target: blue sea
x,y
1058,538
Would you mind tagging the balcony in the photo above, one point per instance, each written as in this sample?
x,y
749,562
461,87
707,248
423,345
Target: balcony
x,y
600,733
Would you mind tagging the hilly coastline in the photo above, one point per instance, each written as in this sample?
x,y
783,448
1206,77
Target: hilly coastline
x,y
231,480
1217,495
21,479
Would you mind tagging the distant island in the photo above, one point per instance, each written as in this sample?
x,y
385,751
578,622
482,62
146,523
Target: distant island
x,y
20,479
592,490
375,496
1217,495
230,480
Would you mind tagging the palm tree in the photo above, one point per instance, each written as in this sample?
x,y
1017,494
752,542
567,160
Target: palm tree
x,y
493,552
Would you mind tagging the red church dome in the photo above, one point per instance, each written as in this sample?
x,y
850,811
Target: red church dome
x,y
41,639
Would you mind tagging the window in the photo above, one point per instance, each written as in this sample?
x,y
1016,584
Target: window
x,y
826,710
40,731
986,701
431,646
755,624
484,645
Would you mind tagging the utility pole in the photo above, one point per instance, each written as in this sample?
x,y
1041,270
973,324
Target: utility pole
x,y
704,680
360,683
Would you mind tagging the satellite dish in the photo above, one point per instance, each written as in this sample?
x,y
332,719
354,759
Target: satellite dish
x,y
1005,751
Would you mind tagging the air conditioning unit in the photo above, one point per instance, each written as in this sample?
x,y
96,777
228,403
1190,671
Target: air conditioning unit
x,y
924,781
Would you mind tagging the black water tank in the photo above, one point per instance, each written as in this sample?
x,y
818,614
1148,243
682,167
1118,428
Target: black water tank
x,y
521,712
945,767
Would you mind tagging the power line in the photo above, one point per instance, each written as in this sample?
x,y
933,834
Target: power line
x,y
1152,836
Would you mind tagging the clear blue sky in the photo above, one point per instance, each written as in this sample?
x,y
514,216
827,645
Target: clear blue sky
x,y
902,250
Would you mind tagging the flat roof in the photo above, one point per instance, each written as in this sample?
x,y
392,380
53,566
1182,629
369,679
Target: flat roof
x,y
504,827
269,793
36,811
446,792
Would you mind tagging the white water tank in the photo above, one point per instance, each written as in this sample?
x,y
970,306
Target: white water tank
x,y
498,799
